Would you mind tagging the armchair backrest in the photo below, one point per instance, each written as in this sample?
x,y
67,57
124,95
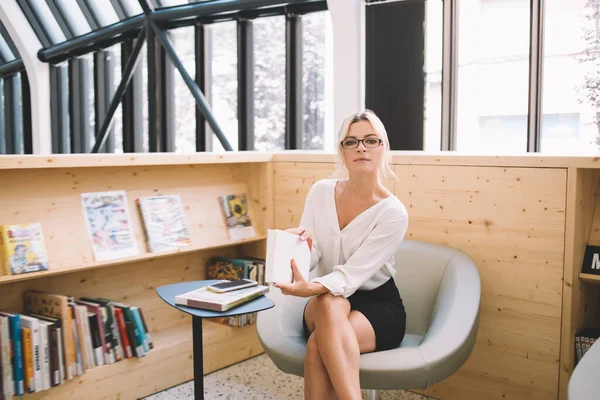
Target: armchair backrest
x,y
419,270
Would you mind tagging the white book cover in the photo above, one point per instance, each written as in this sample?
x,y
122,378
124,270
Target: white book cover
x,y
45,353
282,247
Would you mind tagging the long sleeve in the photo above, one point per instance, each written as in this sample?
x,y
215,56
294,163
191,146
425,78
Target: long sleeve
x,y
379,247
308,222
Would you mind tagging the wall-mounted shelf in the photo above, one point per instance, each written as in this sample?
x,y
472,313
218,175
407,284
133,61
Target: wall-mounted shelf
x,y
590,278
124,260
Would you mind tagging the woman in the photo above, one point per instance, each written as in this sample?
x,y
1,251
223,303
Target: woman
x,y
356,225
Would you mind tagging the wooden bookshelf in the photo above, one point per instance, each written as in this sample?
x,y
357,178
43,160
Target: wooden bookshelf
x,y
48,189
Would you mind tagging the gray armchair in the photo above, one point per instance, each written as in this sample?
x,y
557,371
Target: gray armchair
x,y
441,291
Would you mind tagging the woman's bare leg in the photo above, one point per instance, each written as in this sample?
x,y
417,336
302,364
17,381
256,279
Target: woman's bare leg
x,y
317,384
328,316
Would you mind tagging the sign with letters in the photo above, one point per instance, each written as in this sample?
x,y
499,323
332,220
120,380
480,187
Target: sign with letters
x,y
591,260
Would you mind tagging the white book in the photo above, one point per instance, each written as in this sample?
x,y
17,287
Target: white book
x,y
7,369
282,247
206,299
45,353
33,324
61,356
87,337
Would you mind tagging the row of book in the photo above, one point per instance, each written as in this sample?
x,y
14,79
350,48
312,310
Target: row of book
x,y
233,269
22,247
58,337
583,341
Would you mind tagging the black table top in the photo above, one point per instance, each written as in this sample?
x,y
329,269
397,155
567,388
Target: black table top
x,y
168,293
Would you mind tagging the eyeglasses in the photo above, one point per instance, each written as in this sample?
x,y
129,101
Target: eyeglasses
x,y
352,143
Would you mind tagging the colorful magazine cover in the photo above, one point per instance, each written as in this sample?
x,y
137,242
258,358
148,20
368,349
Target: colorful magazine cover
x,y
23,248
235,210
108,224
164,222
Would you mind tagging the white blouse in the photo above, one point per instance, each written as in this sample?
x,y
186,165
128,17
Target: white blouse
x,y
360,256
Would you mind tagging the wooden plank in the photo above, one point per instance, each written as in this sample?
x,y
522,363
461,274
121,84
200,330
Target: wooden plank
x,y
578,298
447,158
127,160
590,278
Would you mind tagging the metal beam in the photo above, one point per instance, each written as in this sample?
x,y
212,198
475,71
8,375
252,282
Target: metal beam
x,y
200,79
215,7
449,75
79,89
298,9
3,128
201,102
536,60
103,91
26,114
294,87
245,67
102,134
59,109
133,105
65,50
11,67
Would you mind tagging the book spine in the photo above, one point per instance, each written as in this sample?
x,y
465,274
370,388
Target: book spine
x,y
146,330
137,337
54,356
7,368
4,253
61,355
123,332
15,329
117,345
28,359
96,340
45,355
140,327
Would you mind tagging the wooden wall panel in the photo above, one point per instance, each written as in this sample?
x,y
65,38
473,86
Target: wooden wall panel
x,y
292,183
511,221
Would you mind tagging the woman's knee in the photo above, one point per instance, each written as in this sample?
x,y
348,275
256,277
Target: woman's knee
x,y
330,305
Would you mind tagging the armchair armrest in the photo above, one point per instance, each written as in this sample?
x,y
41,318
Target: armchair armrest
x,y
451,335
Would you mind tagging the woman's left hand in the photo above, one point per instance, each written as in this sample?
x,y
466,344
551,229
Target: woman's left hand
x,y
300,286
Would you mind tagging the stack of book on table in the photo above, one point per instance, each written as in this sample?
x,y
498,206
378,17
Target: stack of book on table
x,y
209,300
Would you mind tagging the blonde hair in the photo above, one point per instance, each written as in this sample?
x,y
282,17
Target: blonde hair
x,y
384,168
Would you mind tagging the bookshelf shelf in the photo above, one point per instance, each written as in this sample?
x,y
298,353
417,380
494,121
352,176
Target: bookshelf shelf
x,y
590,278
125,260
139,377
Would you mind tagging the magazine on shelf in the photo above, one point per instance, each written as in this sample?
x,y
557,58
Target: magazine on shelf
x,y
108,223
22,249
205,299
165,224
237,217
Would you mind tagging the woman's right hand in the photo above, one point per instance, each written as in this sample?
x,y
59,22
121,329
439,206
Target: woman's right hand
x,y
300,231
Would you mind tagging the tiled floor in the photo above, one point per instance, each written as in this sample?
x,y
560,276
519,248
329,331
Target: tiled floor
x,y
256,379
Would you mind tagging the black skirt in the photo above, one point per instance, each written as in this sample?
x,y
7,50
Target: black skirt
x,y
384,309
